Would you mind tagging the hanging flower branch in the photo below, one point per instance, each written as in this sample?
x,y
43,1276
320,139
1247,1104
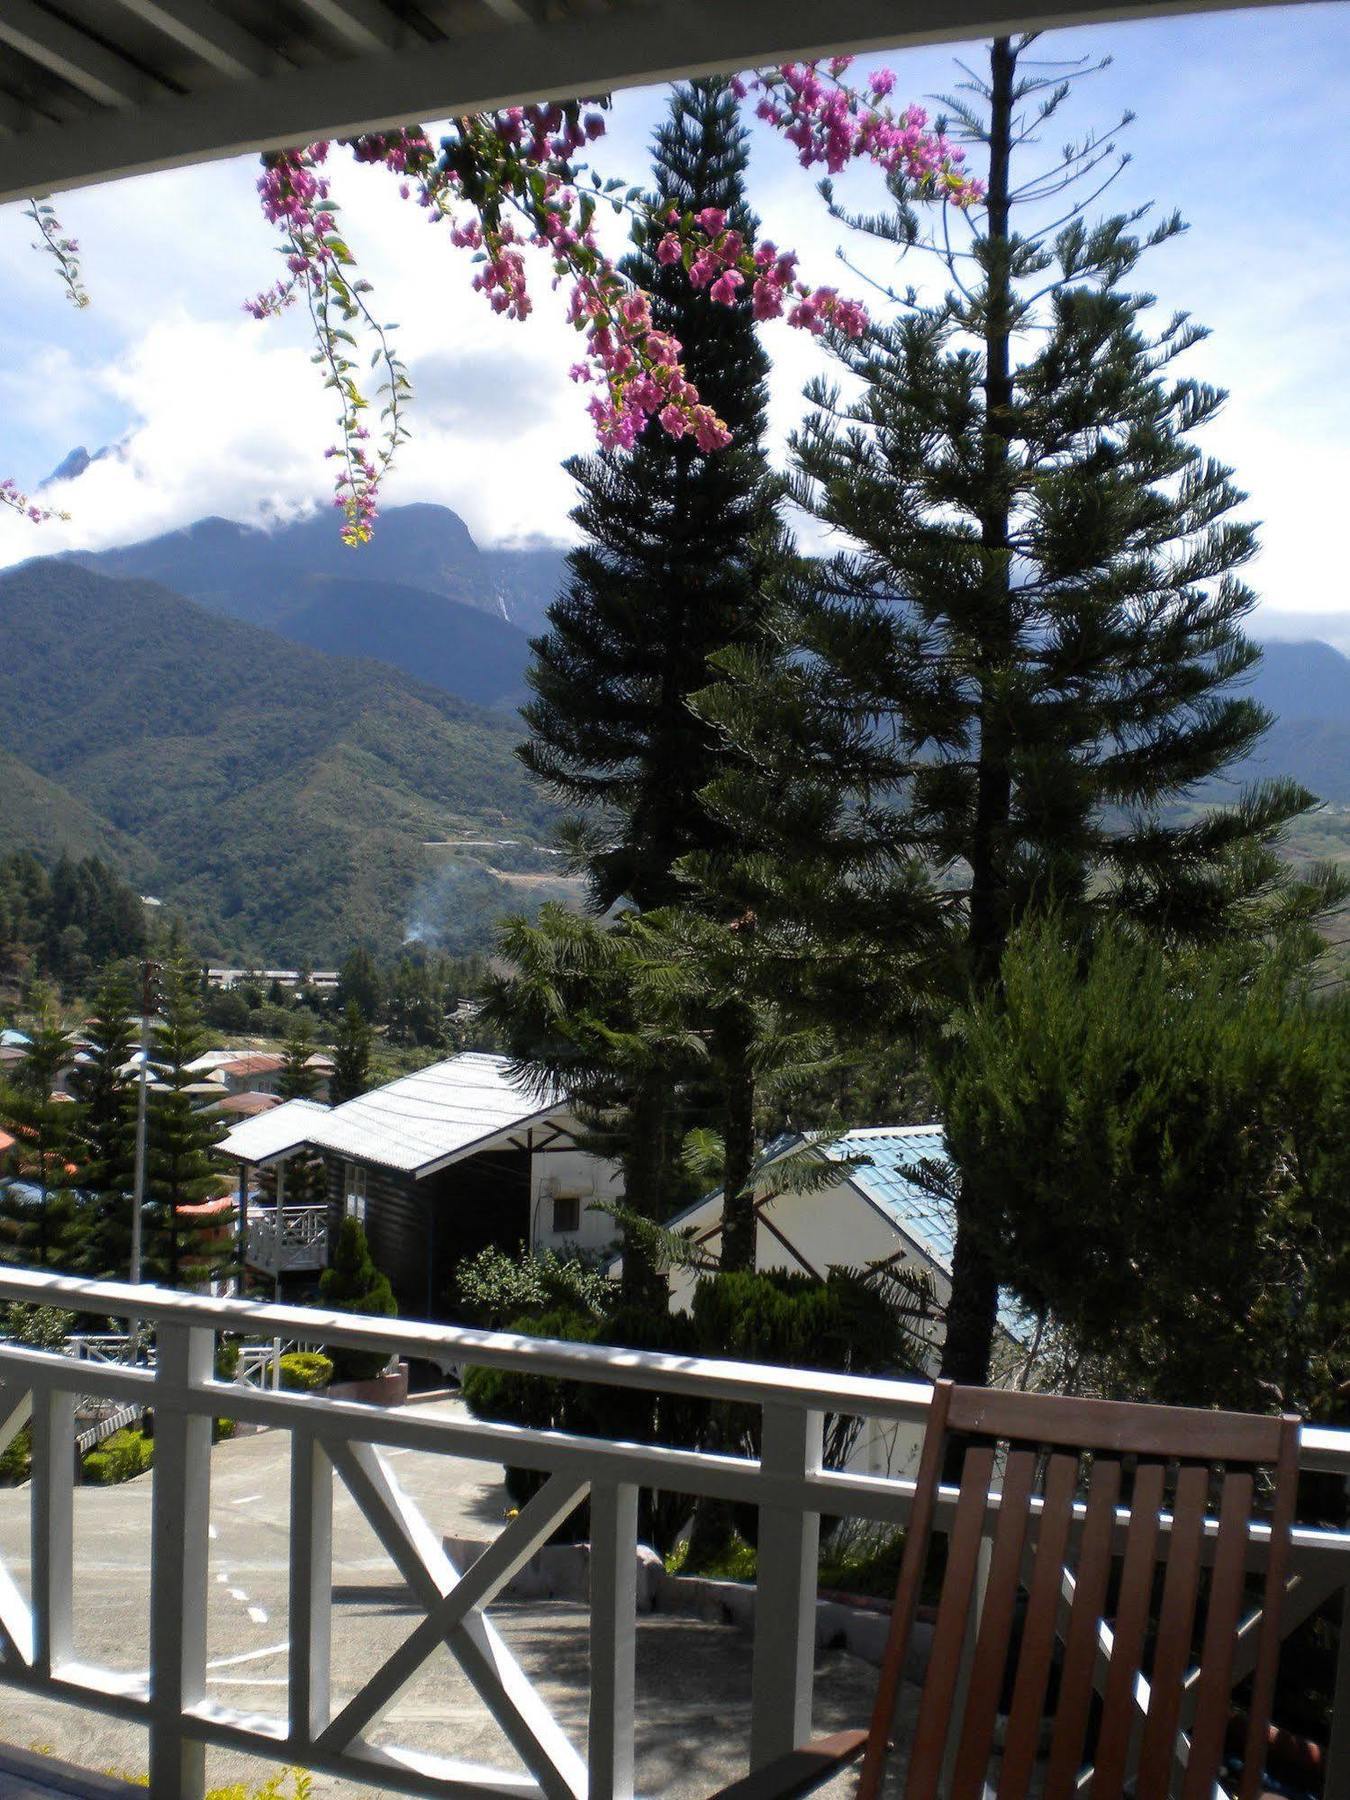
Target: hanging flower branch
x,y
64,251
508,182
12,497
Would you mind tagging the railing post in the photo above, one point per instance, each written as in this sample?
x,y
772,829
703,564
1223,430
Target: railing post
x,y
785,1592
179,1522
53,1502
613,1640
311,1597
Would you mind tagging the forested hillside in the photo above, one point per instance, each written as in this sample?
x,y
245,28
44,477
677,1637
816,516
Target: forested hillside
x,y
1307,687
278,793
420,595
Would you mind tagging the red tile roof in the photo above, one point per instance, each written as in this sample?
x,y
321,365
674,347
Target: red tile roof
x,y
253,1062
246,1104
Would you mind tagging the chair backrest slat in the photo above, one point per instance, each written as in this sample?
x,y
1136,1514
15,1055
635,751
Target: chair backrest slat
x,y
1127,1647
1038,1631
912,1565
1176,1626
1268,1653
1131,1582
995,1631
1214,1704
1080,1647
949,1633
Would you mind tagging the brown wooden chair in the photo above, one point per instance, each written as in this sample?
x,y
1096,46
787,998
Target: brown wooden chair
x,y
1099,1568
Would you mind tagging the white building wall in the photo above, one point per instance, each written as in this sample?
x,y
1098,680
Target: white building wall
x,y
560,1175
833,1228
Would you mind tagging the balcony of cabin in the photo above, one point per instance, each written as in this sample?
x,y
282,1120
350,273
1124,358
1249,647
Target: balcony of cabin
x,y
286,1240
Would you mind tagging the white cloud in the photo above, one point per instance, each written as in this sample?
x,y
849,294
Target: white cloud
x,y
220,414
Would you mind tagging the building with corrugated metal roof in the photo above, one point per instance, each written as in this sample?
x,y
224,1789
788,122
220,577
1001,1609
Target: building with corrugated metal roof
x,y
437,1165
879,1213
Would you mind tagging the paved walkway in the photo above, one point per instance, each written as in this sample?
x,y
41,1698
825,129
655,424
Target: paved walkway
x,y
693,1677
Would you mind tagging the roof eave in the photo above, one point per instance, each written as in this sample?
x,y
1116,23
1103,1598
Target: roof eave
x,y
492,66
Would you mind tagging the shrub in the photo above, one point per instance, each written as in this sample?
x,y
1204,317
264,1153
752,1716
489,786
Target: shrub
x,y
633,1414
855,1323
120,1457
492,1288
304,1370
352,1283
16,1460
39,1327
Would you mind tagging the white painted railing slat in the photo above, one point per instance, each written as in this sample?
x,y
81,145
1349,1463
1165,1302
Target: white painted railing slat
x,y
53,1523
613,1571
311,1589
180,1517
785,1610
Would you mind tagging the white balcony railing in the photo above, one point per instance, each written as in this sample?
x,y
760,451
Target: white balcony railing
x,y
298,1242
339,1439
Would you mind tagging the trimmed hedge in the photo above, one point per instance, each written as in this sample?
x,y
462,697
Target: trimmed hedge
x,y
120,1457
304,1370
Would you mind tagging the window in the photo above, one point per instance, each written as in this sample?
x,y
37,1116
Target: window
x,y
566,1213
354,1191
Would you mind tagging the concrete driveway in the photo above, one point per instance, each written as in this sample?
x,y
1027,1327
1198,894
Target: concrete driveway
x,y
693,1677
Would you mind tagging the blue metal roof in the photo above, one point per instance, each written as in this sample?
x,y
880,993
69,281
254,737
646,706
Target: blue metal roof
x,y
887,1180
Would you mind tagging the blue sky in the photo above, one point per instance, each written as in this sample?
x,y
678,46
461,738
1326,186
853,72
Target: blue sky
x,y
1243,124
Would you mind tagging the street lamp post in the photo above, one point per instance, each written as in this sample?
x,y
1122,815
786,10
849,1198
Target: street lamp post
x,y
149,971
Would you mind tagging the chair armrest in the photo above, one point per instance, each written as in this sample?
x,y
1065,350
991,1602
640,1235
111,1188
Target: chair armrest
x,y
801,1771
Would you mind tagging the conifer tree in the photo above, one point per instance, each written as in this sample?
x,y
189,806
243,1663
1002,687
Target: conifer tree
x,y
106,1130
297,1080
36,1222
670,573
990,702
360,980
669,569
351,1283
180,1171
351,1055
306,1181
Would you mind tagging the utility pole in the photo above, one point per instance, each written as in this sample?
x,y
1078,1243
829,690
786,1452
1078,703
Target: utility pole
x,y
149,973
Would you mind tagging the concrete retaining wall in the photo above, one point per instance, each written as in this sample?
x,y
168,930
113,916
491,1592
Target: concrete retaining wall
x,y
562,1572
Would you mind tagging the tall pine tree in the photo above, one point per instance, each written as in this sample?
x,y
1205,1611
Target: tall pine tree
x,y
991,700
297,1080
669,569
37,1217
352,1045
670,573
186,1251
306,1182
106,1130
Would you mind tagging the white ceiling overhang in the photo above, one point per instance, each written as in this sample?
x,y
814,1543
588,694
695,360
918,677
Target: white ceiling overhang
x,y
95,89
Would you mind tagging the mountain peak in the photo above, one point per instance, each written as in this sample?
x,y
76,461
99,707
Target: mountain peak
x,y
74,463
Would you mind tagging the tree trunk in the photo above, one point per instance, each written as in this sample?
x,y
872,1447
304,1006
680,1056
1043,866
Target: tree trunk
x,y
644,1190
972,1309
738,1129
